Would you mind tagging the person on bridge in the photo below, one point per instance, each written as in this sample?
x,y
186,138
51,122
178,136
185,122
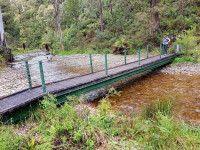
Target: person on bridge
x,y
166,40
174,37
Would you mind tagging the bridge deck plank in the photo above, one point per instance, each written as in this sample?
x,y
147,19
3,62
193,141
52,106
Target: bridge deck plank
x,y
14,101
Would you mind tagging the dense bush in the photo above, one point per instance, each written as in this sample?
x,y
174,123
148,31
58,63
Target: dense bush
x,y
80,23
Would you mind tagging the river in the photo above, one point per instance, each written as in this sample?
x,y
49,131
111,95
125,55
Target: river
x,y
184,90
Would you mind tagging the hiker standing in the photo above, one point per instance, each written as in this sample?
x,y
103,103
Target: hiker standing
x,y
166,40
179,47
174,37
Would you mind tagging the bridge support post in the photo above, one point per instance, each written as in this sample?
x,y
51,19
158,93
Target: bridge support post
x,y
160,50
28,75
91,66
163,48
175,46
106,63
147,51
139,56
42,77
125,56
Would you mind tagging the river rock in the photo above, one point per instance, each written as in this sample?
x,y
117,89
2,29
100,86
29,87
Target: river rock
x,y
128,108
197,110
91,96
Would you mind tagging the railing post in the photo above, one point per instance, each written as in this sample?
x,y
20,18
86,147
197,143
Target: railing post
x,y
42,77
175,46
160,50
125,56
106,64
147,51
91,66
28,75
163,48
139,55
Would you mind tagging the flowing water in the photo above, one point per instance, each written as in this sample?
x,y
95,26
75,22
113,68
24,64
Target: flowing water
x,y
184,89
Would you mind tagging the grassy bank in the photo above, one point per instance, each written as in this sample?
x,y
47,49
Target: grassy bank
x,y
72,127
2,62
22,51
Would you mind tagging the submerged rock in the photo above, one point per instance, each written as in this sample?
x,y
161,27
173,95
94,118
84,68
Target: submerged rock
x,y
197,110
128,108
92,96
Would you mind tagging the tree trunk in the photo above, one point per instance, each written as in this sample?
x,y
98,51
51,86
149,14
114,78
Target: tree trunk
x,y
3,43
181,7
156,15
101,15
22,5
124,9
150,22
111,12
57,12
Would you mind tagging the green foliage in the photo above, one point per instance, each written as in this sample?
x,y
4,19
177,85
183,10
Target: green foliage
x,y
21,51
79,51
190,47
162,106
2,61
184,59
122,43
9,139
63,127
34,23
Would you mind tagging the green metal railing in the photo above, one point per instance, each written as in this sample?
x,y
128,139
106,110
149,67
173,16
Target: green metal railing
x,y
28,75
139,56
106,63
160,50
125,56
91,65
42,77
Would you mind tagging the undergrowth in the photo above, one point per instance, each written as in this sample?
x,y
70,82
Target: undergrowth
x,y
78,51
185,59
22,51
64,128
2,62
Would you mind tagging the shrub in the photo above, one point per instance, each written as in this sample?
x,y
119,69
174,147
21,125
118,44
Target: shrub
x,y
184,59
9,139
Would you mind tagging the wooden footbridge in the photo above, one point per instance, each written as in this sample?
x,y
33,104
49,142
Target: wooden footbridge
x,y
18,105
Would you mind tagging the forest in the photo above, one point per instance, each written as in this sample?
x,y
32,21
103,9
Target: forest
x,y
95,24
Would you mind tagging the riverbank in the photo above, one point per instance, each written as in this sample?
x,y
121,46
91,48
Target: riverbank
x,y
105,128
182,68
56,67
62,67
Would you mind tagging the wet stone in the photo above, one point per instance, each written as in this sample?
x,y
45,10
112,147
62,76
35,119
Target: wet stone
x,y
197,110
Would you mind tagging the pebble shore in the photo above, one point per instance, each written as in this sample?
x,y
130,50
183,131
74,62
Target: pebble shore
x,y
62,67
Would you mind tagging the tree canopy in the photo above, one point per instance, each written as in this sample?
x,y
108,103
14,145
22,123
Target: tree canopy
x,y
138,22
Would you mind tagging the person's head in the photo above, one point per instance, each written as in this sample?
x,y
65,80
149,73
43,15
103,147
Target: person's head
x,y
164,36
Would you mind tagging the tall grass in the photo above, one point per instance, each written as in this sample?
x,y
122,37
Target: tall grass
x,y
65,128
162,106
